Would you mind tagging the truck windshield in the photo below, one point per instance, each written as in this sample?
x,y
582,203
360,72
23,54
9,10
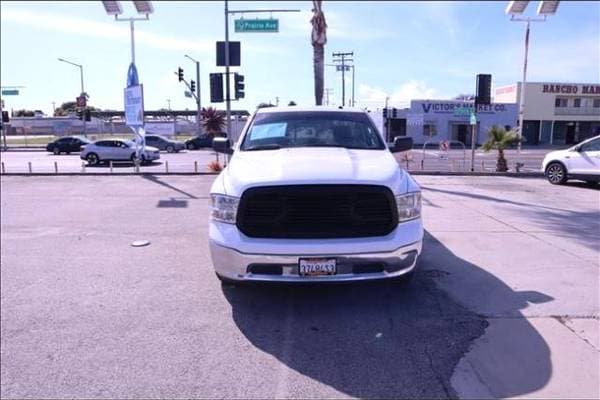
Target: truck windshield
x,y
276,130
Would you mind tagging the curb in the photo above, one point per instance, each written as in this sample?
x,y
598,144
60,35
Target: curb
x,y
431,173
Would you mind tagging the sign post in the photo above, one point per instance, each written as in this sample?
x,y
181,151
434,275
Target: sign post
x,y
473,122
134,110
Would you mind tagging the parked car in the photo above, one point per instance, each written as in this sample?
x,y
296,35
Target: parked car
x,y
314,195
116,150
581,161
67,145
163,143
198,142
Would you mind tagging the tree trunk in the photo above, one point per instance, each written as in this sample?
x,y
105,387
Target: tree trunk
x,y
501,164
319,70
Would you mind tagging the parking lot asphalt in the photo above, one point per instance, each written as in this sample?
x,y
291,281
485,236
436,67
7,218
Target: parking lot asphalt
x,y
505,303
429,160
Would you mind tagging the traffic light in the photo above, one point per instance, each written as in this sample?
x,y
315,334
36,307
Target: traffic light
x,y
385,113
239,86
394,113
484,88
88,115
180,74
192,86
80,114
216,87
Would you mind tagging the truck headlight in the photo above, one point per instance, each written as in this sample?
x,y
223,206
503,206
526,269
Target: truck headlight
x,y
224,208
409,206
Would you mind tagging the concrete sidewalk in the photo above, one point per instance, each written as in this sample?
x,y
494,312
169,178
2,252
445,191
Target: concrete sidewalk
x,y
505,303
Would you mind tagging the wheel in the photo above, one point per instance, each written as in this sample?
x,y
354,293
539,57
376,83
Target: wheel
x,y
170,149
556,173
191,146
92,159
56,151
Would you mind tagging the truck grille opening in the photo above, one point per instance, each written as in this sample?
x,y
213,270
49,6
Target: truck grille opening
x,y
317,211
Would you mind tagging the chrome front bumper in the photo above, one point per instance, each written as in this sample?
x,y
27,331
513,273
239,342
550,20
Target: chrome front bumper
x,y
234,265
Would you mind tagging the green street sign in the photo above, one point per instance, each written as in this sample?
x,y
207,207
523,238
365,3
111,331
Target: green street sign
x,y
473,119
462,111
257,25
10,92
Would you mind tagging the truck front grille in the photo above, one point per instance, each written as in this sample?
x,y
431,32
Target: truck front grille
x,y
317,211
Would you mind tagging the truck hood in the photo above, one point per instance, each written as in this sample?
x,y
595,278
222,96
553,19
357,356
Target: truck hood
x,y
311,165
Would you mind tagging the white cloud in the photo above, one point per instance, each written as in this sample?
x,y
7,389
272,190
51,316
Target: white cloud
x,y
398,97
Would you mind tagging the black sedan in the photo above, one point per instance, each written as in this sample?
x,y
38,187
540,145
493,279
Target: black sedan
x,y
163,143
198,142
67,145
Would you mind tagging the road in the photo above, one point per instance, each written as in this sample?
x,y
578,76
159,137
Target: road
x,y
453,160
505,303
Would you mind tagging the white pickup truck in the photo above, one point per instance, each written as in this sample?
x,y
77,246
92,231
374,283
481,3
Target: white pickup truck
x,y
313,195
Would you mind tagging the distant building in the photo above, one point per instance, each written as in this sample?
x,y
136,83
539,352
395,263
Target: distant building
x,y
440,120
556,113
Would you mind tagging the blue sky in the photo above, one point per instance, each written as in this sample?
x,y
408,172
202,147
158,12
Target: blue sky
x,y
405,50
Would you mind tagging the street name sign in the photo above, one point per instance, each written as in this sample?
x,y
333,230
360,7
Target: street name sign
x,y
134,106
10,92
257,25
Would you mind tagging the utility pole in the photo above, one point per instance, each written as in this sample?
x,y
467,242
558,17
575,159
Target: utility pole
x,y
276,101
169,103
341,57
353,104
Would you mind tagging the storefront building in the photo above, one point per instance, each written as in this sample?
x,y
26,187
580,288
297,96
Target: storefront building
x,y
441,120
556,113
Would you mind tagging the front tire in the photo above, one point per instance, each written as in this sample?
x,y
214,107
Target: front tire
x,y
56,151
191,146
92,159
556,173
170,149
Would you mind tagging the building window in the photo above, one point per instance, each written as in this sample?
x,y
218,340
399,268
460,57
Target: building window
x,y
429,129
577,103
596,103
560,102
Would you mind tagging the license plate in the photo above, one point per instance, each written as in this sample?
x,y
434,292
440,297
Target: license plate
x,y
317,266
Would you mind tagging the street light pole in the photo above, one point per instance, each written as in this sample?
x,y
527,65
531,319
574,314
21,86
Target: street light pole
x,y
227,12
514,8
82,90
197,95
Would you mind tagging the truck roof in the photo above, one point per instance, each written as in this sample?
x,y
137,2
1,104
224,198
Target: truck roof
x,y
308,109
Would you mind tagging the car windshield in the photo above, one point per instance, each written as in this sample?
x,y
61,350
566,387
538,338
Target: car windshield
x,y
277,130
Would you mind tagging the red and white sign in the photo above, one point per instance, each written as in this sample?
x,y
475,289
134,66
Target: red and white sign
x,y
81,101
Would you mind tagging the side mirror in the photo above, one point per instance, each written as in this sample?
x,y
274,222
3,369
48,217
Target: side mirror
x,y
401,143
222,145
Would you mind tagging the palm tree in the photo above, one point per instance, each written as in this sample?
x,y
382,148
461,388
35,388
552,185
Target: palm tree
x,y
213,121
318,40
499,139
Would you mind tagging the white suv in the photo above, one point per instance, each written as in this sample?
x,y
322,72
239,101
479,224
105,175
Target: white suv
x,y
116,150
581,161
313,195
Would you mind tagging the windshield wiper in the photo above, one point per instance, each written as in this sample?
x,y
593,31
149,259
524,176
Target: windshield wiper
x,y
272,146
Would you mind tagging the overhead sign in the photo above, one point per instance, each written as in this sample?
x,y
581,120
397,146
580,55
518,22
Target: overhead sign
x,y
134,105
10,92
234,54
257,25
